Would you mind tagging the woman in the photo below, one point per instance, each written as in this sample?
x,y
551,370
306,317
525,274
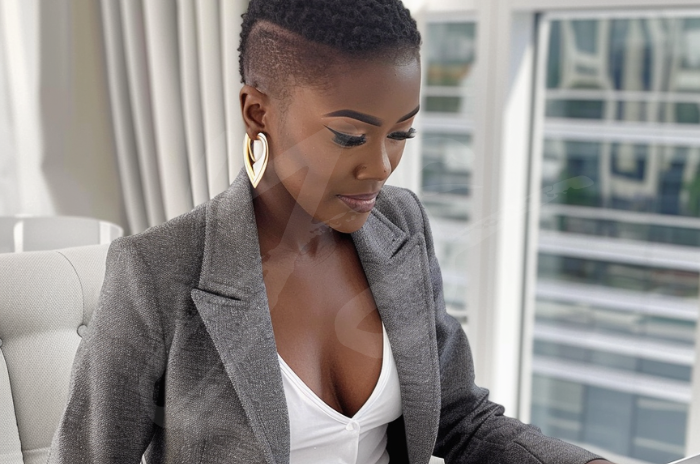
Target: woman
x,y
298,315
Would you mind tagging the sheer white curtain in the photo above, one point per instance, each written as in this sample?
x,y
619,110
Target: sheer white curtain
x,y
56,155
173,85
122,110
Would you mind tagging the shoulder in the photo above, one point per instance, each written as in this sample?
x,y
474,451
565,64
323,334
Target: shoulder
x,y
402,207
175,246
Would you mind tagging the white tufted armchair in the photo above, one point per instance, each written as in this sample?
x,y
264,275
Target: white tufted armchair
x,y
46,300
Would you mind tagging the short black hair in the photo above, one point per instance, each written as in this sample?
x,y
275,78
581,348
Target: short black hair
x,y
299,39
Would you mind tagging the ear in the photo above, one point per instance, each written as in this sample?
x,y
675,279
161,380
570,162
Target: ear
x,y
255,106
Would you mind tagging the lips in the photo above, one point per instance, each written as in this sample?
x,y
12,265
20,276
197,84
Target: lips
x,y
361,203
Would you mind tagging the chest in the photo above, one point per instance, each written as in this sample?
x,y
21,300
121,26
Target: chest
x,y
326,326
238,323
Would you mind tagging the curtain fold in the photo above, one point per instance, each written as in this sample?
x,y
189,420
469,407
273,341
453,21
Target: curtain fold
x,y
134,38
163,60
231,28
173,79
57,152
9,192
208,14
192,101
122,119
20,31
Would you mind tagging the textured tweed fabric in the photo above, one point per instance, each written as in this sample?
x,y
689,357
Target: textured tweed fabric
x,y
179,360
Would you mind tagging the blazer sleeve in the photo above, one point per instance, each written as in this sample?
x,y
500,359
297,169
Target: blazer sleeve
x,y
111,413
473,430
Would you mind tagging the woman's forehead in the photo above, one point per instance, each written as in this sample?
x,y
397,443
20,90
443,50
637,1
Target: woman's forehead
x,y
386,91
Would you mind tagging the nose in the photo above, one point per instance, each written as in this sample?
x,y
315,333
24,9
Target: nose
x,y
375,165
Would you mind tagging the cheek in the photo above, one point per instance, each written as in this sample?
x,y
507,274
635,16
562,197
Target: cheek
x,y
309,155
395,157
308,168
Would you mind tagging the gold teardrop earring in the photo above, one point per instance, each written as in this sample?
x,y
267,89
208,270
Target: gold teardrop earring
x,y
255,157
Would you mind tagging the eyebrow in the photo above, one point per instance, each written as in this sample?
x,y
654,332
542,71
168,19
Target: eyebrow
x,y
410,115
366,118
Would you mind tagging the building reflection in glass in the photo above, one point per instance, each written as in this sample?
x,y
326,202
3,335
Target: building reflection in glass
x,y
446,147
619,259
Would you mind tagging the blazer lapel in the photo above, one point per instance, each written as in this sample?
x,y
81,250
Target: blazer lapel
x,y
396,267
232,302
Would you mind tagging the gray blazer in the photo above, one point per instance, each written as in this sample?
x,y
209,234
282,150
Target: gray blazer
x,y
180,362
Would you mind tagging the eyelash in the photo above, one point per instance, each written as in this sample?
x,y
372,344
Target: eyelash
x,y
347,141
403,135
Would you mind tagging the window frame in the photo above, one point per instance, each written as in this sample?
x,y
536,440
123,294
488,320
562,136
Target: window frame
x,y
504,225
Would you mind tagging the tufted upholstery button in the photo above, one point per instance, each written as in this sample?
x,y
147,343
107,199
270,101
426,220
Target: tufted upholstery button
x,y
81,330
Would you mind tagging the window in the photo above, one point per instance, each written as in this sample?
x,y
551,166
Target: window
x,y
446,150
618,265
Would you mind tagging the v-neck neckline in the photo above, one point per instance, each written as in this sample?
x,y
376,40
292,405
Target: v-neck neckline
x,y
322,405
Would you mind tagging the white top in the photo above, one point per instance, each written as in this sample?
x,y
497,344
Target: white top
x,y
320,434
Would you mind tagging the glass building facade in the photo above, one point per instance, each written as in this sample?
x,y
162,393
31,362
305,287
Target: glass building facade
x,y
618,261
619,244
446,130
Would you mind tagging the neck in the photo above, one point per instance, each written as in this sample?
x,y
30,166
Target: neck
x,y
283,226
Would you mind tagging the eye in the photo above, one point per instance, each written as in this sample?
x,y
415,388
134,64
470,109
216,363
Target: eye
x,y
403,135
347,140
